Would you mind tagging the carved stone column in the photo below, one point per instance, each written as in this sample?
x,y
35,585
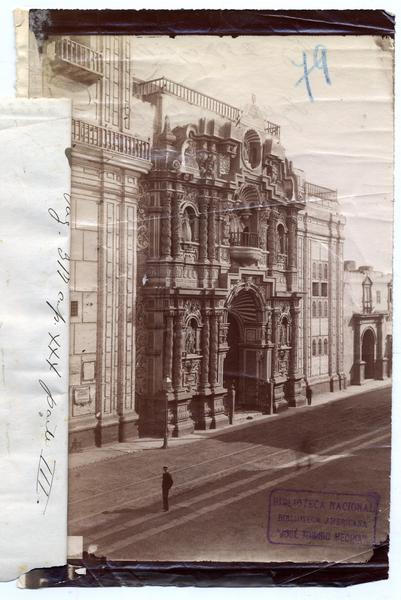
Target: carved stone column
x,y
203,205
295,395
272,238
292,250
293,367
165,229
178,349
380,360
168,347
213,207
205,342
176,226
214,348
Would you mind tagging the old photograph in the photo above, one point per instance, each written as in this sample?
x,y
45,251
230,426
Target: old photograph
x,y
230,294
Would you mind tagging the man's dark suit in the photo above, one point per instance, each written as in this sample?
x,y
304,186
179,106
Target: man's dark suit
x,y
166,485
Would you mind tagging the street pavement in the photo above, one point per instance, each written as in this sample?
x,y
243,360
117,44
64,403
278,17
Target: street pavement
x,y
221,498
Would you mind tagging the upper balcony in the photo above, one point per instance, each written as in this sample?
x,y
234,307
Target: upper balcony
x,y
77,61
319,191
108,139
245,248
167,86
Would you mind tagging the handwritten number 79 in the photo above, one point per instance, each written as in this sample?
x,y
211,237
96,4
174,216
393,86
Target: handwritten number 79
x,y
319,63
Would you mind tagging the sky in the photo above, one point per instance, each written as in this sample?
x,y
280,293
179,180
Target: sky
x,y
339,131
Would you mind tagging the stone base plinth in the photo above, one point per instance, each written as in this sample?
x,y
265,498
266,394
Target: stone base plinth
x,y
128,429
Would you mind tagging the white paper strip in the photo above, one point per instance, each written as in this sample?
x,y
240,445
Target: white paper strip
x,y
34,258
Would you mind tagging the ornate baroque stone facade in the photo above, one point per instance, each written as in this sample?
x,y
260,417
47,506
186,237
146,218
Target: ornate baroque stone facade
x,y
202,260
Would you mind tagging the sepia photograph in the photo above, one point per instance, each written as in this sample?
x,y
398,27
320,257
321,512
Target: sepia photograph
x,y
230,275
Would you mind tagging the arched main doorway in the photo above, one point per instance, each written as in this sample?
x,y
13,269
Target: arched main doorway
x,y
368,353
245,361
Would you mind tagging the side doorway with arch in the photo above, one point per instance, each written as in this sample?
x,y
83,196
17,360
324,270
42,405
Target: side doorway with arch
x,y
368,344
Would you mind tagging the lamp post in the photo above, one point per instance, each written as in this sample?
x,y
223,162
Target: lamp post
x,y
232,403
167,384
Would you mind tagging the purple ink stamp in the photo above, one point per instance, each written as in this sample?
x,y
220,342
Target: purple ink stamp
x,y
314,518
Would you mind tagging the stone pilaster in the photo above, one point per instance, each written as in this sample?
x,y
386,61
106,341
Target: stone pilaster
x,y
205,343
214,348
292,250
211,246
203,227
294,391
380,360
176,226
272,238
165,228
178,349
358,367
168,348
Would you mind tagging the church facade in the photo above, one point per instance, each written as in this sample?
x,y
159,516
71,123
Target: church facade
x,y
206,271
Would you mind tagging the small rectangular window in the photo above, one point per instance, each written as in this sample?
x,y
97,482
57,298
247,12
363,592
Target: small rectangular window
x,y
378,297
324,289
315,289
74,308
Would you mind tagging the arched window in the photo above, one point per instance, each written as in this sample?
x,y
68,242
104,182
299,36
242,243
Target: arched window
x,y
313,347
325,310
319,309
367,295
319,346
314,273
325,346
320,270
281,238
326,271
313,309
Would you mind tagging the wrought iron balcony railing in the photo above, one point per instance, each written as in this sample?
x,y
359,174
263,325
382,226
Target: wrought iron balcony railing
x,y
245,239
84,62
162,84
107,139
319,191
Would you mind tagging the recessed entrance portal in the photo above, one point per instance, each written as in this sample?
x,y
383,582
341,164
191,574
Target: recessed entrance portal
x,y
242,366
368,353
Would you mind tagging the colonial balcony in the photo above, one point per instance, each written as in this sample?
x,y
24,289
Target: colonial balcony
x,y
77,61
227,111
319,191
108,139
245,248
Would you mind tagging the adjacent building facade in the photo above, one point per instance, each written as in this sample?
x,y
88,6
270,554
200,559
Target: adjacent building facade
x,y
368,315
204,265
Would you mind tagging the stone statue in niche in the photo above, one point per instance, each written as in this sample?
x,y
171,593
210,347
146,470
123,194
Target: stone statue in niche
x,y
190,338
190,154
273,170
211,162
187,233
201,159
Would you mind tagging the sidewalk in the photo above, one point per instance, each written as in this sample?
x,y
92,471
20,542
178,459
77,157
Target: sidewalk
x,y
244,419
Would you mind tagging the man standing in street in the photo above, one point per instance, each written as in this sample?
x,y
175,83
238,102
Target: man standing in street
x,y
167,482
308,394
